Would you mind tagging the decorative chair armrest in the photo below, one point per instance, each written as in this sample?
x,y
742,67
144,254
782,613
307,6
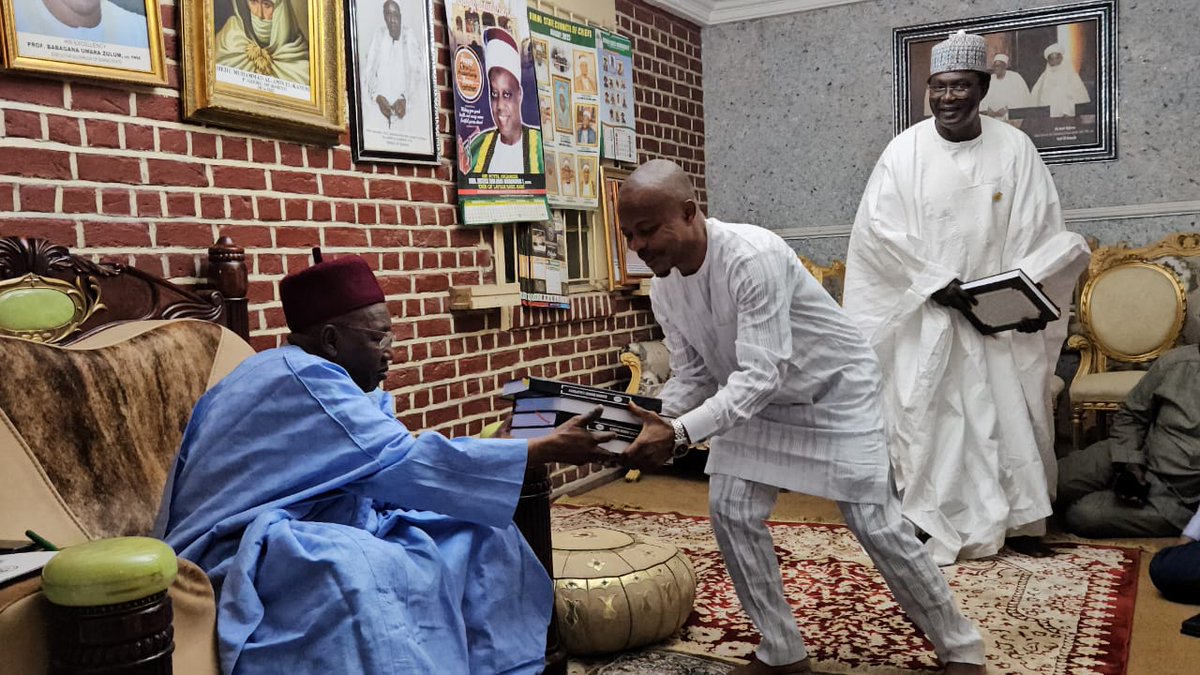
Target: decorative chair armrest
x,y
1087,355
634,364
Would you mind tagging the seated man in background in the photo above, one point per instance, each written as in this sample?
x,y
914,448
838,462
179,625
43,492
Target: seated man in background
x,y
1175,570
336,541
1144,480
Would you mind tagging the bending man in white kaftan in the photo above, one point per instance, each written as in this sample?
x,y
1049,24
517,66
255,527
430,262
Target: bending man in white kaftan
x,y
264,37
952,198
337,542
764,363
1059,86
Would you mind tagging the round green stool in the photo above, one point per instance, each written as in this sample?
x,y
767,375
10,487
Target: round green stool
x,y
110,612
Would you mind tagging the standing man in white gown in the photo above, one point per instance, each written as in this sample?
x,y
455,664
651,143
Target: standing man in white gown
x,y
955,198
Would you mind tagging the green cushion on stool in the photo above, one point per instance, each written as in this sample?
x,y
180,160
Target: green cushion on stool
x,y
109,572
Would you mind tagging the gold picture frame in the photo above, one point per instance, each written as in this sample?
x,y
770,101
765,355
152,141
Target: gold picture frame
x,y
624,267
230,79
34,40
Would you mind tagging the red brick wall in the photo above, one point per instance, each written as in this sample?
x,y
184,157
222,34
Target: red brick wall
x,y
669,83
113,172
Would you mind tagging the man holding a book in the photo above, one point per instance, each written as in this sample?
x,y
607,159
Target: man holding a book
x,y
336,541
765,366
957,198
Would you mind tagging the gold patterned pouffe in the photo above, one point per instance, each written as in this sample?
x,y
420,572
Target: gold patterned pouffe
x,y
616,590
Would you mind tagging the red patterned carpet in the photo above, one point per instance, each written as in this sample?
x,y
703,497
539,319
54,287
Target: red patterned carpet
x,y
1070,614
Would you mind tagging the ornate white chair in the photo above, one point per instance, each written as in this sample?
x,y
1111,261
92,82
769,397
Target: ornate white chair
x,y
1132,311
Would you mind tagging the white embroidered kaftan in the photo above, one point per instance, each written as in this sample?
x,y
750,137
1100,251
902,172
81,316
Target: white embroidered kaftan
x,y
969,418
765,363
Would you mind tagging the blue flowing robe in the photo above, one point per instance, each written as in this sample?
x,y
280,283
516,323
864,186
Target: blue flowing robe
x,y
338,542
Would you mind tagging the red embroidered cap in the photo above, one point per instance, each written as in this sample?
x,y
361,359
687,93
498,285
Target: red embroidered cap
x,y
327,289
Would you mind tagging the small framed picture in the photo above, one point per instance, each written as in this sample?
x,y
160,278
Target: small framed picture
x,y
587,131
271,66
118,40
624,266
1053,76
393,87
562,104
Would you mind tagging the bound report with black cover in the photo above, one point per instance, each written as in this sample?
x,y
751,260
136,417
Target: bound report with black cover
x,y
1004,300
537,387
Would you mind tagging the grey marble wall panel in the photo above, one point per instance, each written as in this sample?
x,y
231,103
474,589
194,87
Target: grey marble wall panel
x,y
821,250
1137,231
1131,231
798,108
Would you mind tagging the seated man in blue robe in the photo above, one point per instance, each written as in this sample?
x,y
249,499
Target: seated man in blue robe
x,y
336,541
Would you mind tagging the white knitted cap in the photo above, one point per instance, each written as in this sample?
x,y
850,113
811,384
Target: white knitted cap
x,y
961,51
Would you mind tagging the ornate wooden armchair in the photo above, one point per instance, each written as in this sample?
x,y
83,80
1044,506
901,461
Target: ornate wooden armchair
x,y
1132,309
92,408
49,295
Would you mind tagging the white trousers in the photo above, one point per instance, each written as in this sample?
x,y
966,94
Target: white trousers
x,y
739,509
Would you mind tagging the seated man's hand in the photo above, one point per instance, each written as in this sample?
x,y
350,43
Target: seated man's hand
x,y
1131,486
505,426
1031,325
654,445
955,297
1184,540
572,443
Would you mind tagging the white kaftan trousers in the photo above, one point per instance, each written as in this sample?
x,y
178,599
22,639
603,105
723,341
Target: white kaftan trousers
x,y
739,509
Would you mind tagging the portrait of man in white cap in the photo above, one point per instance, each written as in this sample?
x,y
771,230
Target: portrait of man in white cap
x,y
585,81
1059,86
1007,91
510,146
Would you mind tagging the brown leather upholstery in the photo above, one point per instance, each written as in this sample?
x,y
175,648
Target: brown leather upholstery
x,y
87,435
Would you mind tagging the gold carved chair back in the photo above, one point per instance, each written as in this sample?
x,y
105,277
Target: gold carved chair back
x,y
832,277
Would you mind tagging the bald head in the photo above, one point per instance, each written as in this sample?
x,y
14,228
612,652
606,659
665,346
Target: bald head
x,y
659,180
660,219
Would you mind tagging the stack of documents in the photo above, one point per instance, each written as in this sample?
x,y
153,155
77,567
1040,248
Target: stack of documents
x,y
540,405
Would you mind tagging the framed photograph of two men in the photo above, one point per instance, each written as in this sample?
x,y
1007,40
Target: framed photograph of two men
x,y
105,39
275,67
1053,76
393,99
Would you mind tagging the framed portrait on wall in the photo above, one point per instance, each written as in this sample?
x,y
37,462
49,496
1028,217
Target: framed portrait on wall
x,y
270,66
393,85
561,91
104,39
1053,76
625,268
